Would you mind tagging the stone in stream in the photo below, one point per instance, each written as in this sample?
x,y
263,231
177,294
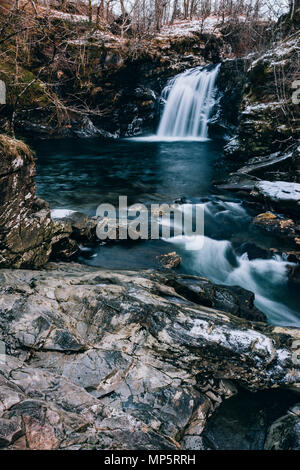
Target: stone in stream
x,y
278,194
169,260
100,359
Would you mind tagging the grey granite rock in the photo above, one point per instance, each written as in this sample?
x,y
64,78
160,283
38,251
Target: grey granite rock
x,y
120,360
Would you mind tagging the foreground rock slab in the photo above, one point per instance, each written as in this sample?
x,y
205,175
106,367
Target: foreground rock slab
x,y
121,360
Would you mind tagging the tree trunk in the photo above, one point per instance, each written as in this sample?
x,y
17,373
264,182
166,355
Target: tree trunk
x,y
90,12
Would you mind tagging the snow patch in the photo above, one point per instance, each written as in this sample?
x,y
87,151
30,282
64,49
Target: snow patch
x,y
262,107
279,190
247,341
61,213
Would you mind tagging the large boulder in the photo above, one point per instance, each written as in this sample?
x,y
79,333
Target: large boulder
x,y
27,232
99,360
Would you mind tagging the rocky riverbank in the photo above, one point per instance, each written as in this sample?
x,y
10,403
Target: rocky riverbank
x,y
260,109
122,360
99,359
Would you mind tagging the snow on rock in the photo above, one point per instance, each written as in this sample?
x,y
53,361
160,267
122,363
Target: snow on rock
x,y
186,28
247,342
61,213
279,190
277,55
262,107
72,18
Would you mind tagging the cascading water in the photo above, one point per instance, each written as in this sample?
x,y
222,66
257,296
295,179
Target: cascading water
x,y
218,261
189,102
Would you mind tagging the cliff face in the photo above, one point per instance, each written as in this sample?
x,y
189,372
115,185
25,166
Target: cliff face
x,y
27,232
269,112
259,105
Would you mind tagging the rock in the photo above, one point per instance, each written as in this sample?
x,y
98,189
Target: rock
x,y
284,434
286,229
230,83
234,300
280,194
27,231
240,183
169,260
264,126
75,223
243,421
26,226
10,430
100,360
38,436
269,165
294,271
263,129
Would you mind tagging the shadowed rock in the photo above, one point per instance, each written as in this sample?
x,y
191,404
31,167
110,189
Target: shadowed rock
x,y
27,233
99,359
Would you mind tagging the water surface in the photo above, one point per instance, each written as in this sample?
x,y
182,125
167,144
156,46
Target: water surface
x,y
81,174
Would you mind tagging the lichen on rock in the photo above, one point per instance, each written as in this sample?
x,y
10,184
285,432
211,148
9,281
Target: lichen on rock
x,y
27,233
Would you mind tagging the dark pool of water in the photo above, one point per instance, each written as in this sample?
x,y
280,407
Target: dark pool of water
x,y
81,174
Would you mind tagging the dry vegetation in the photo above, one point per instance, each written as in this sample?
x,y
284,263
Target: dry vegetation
x,y
37,37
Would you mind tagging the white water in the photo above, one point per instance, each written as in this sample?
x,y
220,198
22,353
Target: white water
x,y
189,102
216,260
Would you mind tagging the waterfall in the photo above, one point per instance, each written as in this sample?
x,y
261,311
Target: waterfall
x,y
189,101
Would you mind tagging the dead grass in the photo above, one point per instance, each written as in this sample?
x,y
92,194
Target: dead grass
x,y
14,147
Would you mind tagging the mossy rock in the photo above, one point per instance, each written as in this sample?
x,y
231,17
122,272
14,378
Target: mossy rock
x,y
28,92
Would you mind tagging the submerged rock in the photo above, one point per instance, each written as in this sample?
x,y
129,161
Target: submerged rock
x,y
101,359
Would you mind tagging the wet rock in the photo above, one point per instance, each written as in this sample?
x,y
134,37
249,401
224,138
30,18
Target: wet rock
x,y
267,166
279,226
230,83
280,196
239,183
27,230
284,434
243,421
234,300
170,260
294,271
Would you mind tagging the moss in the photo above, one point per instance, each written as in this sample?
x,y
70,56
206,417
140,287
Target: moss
x,y
14,148
35,94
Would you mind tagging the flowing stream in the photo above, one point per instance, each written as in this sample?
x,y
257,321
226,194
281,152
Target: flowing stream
x,y
179,162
